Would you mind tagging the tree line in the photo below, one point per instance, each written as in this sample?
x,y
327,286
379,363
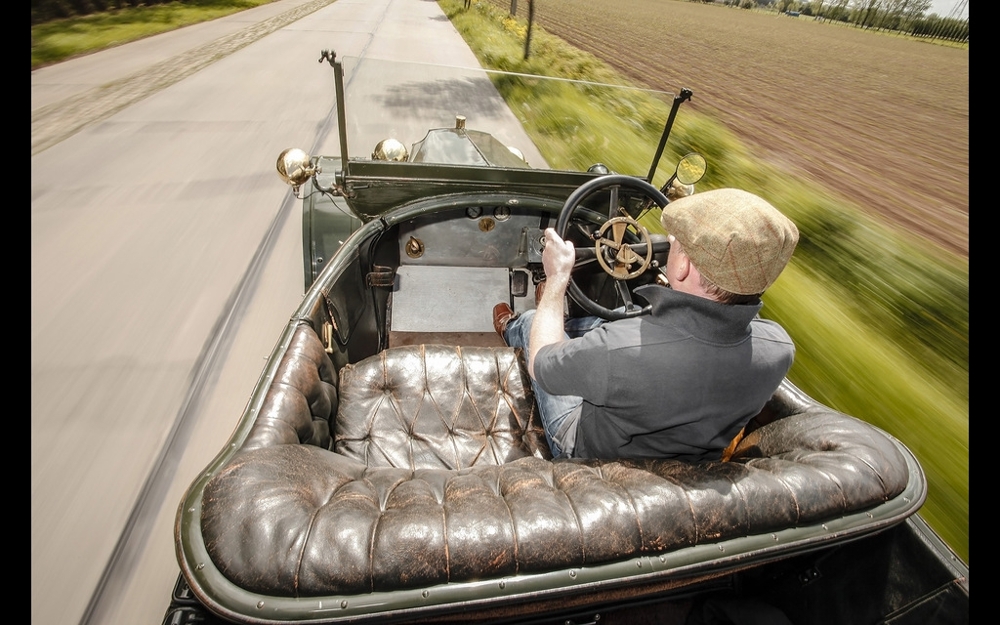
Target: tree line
x,y
902,16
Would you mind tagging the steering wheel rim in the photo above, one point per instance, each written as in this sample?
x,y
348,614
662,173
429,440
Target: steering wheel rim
x,y
612,182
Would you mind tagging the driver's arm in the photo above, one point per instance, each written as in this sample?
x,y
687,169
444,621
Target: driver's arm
x,y
558,258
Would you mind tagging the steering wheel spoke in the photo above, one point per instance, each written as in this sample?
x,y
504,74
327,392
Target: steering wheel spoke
x,y
625,295
613,203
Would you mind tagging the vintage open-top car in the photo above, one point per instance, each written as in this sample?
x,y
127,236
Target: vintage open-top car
x,y
390,465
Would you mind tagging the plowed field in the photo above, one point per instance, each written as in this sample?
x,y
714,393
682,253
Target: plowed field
x,y
876,118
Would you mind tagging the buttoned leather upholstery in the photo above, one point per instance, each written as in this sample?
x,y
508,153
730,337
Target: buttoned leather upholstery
x,y
437,472
439,407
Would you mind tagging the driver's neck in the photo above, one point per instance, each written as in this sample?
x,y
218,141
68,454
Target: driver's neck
x,y
689,281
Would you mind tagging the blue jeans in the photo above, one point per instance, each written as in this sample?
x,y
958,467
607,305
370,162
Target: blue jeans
x,y
554,410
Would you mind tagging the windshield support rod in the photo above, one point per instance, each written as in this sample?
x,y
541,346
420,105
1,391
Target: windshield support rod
x,y
685,94
338,79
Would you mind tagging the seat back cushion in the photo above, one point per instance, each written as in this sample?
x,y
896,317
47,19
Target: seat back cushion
x,y
438,407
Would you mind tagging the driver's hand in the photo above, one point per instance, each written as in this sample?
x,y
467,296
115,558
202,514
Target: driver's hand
x,y
558,257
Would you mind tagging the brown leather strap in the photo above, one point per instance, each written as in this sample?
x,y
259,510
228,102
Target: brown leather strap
x,y
381,276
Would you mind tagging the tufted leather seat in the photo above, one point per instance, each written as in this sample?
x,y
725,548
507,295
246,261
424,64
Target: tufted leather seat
x,y
438,407
437,471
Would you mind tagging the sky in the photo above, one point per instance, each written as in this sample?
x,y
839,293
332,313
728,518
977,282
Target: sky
x,y
944,7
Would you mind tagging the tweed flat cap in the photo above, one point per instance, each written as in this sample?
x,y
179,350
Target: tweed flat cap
x,y
735,239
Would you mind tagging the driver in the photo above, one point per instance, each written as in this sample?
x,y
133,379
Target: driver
x,y
683,381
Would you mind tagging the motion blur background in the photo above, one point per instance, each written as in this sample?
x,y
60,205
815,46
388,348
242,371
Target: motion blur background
x,y
166,254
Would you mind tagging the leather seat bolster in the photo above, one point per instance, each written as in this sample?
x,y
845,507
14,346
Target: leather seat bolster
x,y
297,520
302,399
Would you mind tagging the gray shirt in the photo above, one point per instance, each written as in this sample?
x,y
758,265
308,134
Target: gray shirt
x,y
678,383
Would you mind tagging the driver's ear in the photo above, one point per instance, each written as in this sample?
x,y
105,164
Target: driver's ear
x,y
683,266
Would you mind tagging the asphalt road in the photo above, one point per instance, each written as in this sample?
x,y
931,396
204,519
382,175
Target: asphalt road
x,y
166,257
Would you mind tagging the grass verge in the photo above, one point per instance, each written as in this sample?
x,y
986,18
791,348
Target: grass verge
x,y
60,40
880,320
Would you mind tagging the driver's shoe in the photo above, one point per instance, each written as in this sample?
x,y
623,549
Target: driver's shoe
x,y
502,314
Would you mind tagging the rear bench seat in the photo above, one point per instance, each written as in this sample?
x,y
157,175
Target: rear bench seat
x,y
427,464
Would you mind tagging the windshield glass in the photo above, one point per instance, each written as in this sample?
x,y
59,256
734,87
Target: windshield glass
x,y
554,123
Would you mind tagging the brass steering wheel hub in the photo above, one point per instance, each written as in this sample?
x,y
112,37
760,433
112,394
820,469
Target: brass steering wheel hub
x,y
617,257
